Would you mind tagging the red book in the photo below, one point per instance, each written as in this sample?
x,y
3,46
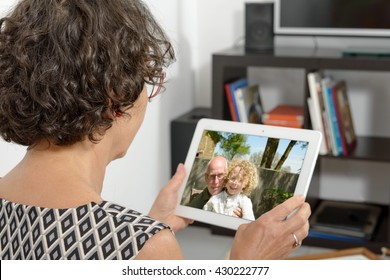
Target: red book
x,y
344,117
289,113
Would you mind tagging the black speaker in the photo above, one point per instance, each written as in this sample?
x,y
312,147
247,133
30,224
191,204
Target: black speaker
x,y
259,27
182,130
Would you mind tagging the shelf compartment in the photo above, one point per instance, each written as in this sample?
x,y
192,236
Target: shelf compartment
x,y
379,239
234,63
369,148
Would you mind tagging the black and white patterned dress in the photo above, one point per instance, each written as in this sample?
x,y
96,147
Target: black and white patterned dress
x,y
92,231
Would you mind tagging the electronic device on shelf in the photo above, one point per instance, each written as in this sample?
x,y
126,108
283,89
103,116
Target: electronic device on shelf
x,y
364,18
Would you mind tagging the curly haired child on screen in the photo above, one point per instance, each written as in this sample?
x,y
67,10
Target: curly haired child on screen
x,y
241,179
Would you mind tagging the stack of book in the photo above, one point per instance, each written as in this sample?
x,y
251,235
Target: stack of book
x,y
285,115
330,113
245,105
244,101
344,221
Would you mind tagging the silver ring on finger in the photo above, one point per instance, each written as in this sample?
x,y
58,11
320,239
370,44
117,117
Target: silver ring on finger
x,y
296,240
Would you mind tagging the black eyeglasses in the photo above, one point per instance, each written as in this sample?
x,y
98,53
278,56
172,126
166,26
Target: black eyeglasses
x,y
156,89
212,177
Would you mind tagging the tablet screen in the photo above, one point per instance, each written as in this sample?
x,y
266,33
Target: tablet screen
x,y
238,171
260,173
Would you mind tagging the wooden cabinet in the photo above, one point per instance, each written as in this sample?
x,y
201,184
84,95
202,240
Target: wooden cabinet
x,y
233,63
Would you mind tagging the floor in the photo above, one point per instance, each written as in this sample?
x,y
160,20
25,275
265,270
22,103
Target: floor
x,y
198,243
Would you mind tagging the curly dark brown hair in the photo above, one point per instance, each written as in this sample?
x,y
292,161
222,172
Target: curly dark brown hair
x,y
65,63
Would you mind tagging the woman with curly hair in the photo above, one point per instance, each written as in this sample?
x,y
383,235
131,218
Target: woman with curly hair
x,y
72,89
73,76
240,181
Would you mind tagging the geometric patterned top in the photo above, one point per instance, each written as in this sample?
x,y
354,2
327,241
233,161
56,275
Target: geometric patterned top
x,y
104,231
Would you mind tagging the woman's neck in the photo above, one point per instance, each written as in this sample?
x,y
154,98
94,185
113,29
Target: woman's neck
x,y
57,177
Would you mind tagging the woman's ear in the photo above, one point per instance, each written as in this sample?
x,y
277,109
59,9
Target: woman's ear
x,y
110,112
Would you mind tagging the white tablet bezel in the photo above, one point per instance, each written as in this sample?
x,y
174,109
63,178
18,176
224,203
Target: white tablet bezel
x,y
312,137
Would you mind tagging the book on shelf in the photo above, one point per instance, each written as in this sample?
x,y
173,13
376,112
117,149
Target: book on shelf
x,y
326,235
249,105
345,219
327,85
285,115
292,124
330,113
230,88
317,109
315,125
344,117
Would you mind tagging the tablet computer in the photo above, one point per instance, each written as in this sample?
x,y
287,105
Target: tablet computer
x,y
265,165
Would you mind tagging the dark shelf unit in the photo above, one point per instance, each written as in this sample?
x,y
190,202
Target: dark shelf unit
x,y
233,63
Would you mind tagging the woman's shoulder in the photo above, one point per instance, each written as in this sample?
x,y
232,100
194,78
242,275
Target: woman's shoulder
x,y
126,216
161,245
96,212
115,227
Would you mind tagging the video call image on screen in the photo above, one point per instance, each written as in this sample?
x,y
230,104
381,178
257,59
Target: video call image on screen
x,y
262,172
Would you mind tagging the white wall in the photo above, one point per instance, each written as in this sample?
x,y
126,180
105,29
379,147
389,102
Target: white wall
x,y
199,28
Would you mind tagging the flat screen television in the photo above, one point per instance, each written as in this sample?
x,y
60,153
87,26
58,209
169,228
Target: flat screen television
x,y
360,18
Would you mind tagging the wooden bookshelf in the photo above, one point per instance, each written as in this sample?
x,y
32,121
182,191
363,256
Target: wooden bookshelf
x,y
233,63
